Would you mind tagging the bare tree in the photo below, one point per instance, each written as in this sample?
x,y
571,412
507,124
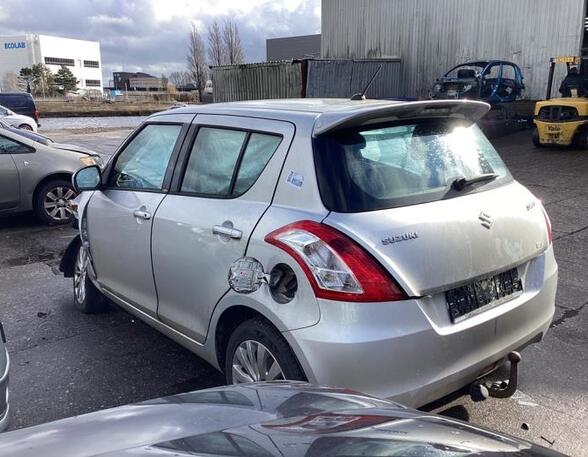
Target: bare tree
x,y
181,78
10,82
196,60
232,43
216,50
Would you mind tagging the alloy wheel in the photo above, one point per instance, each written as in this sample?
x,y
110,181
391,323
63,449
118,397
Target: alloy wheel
x,y
254,362
80,274
57,203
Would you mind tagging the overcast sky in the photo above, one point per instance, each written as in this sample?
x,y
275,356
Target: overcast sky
x,y
151,35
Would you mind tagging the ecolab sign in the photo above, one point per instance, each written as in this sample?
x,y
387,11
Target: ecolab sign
x,y
15,45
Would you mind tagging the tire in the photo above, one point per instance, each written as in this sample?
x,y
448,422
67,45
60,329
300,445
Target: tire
x,y
536,139
581,139
25,127
51,202
87,298
251,334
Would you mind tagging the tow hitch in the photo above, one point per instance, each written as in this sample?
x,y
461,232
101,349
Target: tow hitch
x,y
481,390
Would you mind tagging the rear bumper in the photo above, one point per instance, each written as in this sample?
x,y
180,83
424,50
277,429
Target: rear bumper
x,y
558,133
410,352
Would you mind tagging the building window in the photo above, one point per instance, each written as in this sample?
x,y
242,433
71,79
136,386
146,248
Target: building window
x,y
92,83
59,61
91,64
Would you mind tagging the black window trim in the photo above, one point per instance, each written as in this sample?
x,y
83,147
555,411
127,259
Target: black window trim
x,y
91,64
109,169
30,149
178,179
60,61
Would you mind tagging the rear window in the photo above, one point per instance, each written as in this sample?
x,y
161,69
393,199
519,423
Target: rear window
x,y
398,165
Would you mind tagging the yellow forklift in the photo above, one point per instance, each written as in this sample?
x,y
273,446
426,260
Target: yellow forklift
x,y
562,121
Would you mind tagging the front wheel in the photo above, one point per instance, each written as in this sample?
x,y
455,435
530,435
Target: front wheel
x,y
87,298
536,139
52,202
581,140
258,352
25,127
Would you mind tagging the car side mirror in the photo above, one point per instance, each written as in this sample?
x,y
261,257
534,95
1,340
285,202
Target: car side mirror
x,y
88,178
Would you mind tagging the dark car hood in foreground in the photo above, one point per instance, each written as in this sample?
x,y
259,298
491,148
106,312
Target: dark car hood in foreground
x,y
262,420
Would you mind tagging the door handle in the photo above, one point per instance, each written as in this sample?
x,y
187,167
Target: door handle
x,y
142,215
227,231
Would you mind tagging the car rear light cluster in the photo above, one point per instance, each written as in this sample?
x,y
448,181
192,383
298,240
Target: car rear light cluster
x,y
336,266
548,224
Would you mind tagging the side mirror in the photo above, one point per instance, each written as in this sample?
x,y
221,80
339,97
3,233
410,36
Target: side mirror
x,y
246,275
88,178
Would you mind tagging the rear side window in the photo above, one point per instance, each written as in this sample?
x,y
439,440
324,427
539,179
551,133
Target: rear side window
x,y
227,162
144,161
399,165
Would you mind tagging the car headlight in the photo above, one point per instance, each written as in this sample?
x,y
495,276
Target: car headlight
x,y
90,160
466,88
437,88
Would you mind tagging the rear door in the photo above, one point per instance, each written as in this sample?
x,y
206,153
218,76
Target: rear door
x,y
226,182
120,216
9,179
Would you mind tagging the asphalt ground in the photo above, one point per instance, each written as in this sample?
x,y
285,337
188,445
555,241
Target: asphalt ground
x,y
65,363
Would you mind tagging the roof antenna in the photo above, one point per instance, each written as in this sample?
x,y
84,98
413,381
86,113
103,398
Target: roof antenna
x,y
361,95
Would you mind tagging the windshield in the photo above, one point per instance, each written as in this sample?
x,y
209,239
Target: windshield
x,y
399,165
465,71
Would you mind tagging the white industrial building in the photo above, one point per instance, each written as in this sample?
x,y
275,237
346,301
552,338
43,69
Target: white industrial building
x,y
80,56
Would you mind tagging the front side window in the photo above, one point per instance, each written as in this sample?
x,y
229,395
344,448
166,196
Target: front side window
x,y
399,165
227,162
144,161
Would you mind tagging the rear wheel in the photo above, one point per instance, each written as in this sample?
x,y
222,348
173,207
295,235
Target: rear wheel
x,y
52,202
87,298
258,352
25,127
536,139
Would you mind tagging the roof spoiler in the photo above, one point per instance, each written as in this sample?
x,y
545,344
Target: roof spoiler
x,y
374,114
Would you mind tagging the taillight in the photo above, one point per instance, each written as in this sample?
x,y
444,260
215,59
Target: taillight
x,y
548,224
336,266
36,115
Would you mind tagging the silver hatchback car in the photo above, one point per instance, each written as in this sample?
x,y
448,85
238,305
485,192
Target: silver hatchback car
x,y
376,245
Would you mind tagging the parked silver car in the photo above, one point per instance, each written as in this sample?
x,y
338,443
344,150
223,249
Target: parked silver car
x,y
377,245
35,174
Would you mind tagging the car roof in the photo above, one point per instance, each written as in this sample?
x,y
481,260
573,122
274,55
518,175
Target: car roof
x,y
330,114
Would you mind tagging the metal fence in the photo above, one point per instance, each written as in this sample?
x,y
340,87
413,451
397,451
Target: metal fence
x,y
341,78
257,81
328,78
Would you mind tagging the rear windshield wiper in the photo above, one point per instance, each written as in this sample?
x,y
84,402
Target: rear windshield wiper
x,y
462,183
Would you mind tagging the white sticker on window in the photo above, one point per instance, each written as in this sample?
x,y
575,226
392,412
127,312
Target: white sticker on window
x,y
295,179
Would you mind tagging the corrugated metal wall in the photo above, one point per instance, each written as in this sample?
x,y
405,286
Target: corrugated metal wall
x,y
323,78
343,78
257,81
432,36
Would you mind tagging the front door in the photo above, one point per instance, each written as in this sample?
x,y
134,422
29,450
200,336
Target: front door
x,y
9,179
120,216
230,174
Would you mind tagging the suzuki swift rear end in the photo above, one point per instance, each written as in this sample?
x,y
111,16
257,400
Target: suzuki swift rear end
x,y
432,263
